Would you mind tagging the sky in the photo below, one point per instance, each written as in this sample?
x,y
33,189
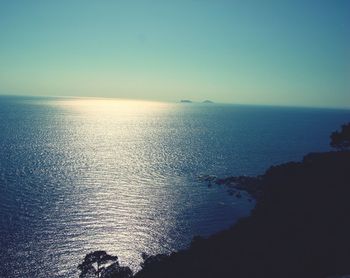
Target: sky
x,y
294,53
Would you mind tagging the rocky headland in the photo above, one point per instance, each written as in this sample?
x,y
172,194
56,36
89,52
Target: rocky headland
x,y
300,227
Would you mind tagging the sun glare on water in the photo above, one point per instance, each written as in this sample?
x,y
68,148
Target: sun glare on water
x,y
117,145
113,106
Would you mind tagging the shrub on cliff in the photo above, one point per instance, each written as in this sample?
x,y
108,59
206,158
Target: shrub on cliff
x,y
341,140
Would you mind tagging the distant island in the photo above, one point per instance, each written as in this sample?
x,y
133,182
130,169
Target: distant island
x,y
190,101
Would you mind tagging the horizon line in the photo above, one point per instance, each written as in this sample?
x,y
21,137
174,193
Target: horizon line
x,y
178,101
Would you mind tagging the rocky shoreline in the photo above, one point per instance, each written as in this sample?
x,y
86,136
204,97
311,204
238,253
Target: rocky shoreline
x,y
300,227
252,185
235,184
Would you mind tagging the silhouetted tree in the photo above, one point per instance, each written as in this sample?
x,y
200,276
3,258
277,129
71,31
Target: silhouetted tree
x,y
102,265
341,140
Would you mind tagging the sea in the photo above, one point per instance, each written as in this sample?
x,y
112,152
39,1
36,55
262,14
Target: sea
x,y
126,176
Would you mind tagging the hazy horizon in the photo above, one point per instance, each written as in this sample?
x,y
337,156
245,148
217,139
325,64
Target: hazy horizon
x,y
294,53
179,101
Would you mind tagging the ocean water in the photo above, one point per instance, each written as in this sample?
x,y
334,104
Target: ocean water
x,y
78,175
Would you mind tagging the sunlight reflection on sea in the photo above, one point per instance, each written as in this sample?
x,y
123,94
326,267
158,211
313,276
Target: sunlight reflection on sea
x,y
79,175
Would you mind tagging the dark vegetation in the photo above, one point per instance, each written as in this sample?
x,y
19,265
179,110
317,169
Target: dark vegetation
x,y
102,265
341,140
300,227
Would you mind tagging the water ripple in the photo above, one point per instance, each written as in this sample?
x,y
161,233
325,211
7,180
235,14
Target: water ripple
x,y
81,175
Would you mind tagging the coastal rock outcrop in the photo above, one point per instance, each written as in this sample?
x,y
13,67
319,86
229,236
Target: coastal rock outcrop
x,y
299,228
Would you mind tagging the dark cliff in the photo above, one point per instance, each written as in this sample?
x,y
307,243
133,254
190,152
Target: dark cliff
x,y
299,228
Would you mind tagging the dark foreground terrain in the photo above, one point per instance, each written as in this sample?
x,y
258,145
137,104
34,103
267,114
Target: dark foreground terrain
x,y
299,228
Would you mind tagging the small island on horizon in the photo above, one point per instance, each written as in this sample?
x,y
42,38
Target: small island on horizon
x,y
190,101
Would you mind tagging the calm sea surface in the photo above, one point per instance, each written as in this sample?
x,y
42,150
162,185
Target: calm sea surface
x,y
78,175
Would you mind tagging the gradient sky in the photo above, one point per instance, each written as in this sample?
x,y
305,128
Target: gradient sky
x,y
257,52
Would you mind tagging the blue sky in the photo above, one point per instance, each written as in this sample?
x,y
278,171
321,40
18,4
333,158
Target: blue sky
x,y
255,52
